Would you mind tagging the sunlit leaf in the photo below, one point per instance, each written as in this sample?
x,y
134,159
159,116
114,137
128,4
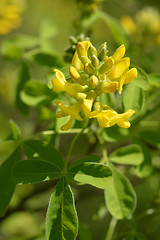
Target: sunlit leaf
x,y
131,154
61,220
96,174
120,196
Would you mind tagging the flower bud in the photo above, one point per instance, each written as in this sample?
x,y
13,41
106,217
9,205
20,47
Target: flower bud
x,y
102,52
95,61
89,69
93,81
92,51
106,66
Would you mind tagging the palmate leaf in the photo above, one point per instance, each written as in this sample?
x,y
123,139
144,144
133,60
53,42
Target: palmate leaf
x,y
131,154
32,171
42,150
120,197
96,174
61,220
7,185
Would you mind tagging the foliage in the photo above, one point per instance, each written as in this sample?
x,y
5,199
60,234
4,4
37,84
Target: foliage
x,y
102,179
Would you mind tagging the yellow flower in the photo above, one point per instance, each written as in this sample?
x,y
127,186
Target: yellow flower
x,y
72,111
108,118
10,15
74,90
93,73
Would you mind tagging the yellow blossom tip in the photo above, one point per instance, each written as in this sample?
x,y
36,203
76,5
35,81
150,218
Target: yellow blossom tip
x,y
131,75
87,105
110,87
119,53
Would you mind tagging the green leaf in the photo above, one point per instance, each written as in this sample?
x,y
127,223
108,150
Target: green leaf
x,y
142,80
6,149
154,79
36,92
96,174
120,197
13,46
151,137
89,158
146,167
133,98
46,59
42,150
15,134
47,29
115,134
7,184
22,77
131,154
61,220
31,171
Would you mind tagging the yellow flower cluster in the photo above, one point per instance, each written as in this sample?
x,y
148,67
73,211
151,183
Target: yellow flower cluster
x,y
145,27
93,73
10,15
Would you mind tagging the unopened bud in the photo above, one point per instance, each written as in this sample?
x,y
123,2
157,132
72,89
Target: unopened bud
x,y
94,81
73,40
106,66
102,52
92,51
95,61
89,69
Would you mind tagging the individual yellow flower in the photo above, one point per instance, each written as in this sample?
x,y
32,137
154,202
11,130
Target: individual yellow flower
x,y
10,15
93,73
108,118
72,111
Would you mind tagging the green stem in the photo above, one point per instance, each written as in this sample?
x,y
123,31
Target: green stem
x,y
111,228
72,144
104,149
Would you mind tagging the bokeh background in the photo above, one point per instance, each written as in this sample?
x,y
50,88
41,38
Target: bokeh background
x,y
25,217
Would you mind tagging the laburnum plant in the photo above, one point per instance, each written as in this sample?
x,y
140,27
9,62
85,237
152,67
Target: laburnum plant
x,y
93,76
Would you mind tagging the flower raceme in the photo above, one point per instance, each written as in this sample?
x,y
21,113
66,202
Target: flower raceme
x,y
93,73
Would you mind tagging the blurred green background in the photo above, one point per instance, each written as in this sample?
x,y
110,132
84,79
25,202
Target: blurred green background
x,y
25,217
